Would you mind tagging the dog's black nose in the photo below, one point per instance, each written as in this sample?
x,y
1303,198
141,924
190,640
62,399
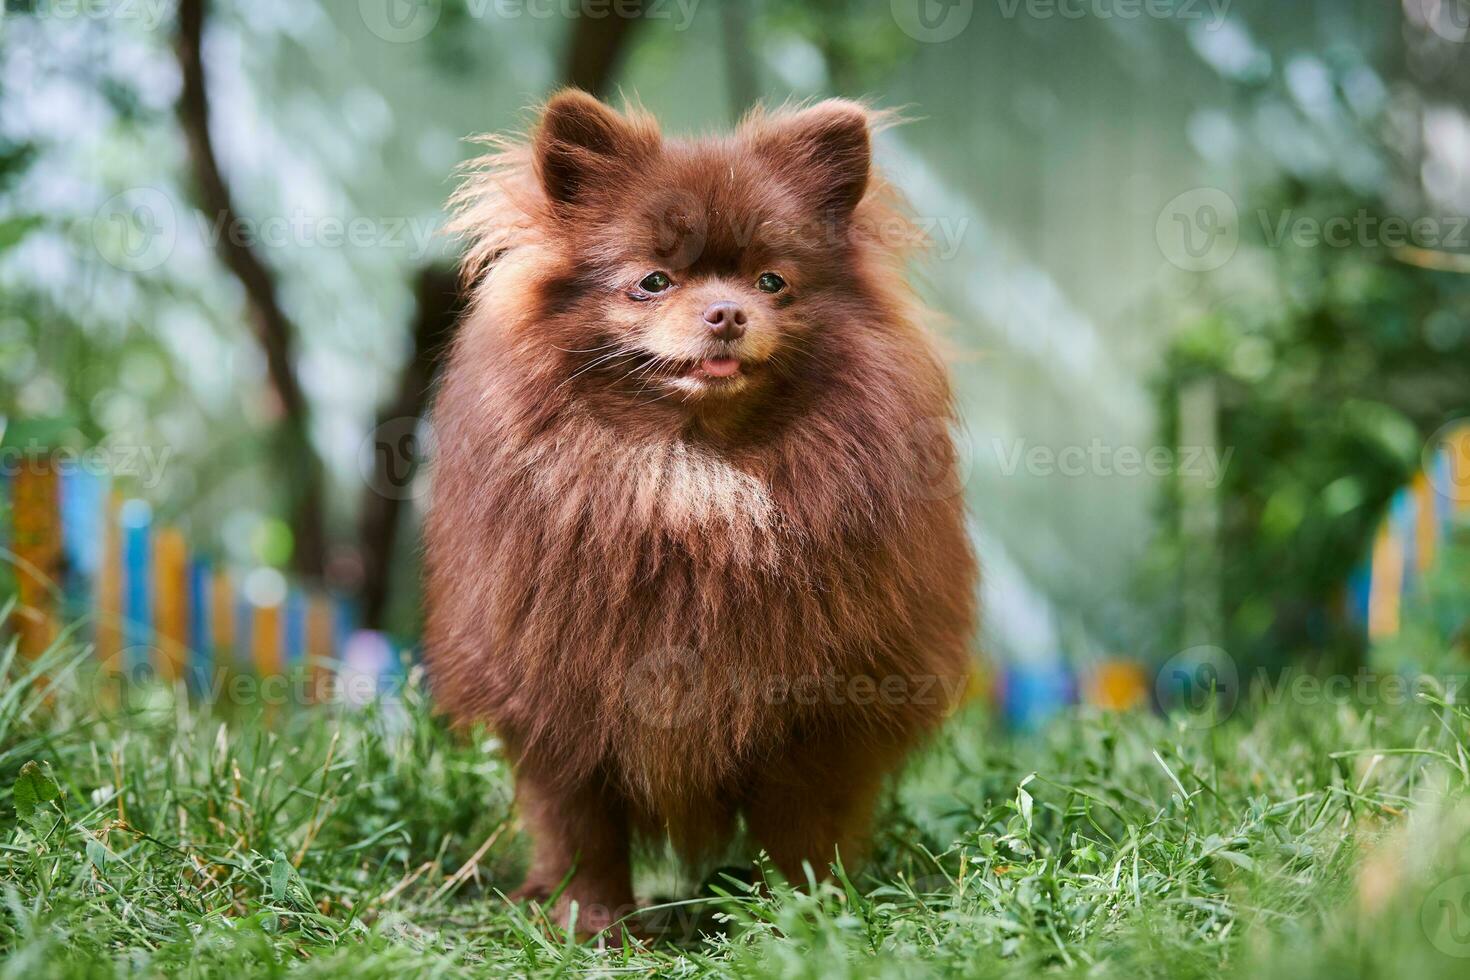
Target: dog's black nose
x,y
726,320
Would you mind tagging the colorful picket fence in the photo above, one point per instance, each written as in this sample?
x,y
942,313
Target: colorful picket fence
x,y
1412,533
81,551
1027,694
1409,539
151,601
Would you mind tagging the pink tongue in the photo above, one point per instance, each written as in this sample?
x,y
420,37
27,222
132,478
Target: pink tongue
x,y
720,367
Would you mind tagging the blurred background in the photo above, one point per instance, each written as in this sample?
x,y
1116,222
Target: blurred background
x,y
1203,266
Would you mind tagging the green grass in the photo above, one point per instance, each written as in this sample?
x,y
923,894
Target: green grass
x,y
1293,839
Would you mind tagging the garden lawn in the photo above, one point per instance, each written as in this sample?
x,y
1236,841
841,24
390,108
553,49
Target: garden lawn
x,y
150,835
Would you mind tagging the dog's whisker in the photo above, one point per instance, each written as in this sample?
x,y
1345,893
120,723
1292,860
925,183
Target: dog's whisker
x,y
595,362
587,350
652,364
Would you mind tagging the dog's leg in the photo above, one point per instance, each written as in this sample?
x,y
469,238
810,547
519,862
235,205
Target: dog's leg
x,y
582,827
816,804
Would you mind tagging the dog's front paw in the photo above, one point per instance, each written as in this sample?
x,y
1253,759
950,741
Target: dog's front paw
x,y
591,918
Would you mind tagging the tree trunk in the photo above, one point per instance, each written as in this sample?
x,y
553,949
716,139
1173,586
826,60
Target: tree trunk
x,y
299,465
597,45
593,54
397,453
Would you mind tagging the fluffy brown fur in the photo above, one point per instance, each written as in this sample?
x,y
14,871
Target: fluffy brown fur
x,y
679,596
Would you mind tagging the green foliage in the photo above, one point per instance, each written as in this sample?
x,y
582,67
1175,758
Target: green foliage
x,y
1329,386
33,790
858,41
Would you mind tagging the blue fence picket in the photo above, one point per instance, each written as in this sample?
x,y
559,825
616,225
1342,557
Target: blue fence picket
x,y
136,523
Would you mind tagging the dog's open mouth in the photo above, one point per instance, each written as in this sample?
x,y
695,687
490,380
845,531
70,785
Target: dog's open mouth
x,y
717,367
719,374
644,371
707,370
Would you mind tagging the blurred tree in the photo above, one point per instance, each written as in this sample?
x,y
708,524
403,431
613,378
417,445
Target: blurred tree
x,y
595,47
299,464
594,50
439,300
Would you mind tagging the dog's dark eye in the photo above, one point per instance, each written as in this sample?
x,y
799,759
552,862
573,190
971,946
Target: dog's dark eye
x,y
655,282
769,282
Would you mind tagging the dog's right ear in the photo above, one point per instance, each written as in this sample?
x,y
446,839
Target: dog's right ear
x,y
581,142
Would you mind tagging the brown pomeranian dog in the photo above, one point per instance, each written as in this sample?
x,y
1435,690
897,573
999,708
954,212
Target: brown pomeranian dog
x,y
696,548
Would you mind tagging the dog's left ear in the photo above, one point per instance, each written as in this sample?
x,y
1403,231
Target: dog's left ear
x,y
581,143
824,151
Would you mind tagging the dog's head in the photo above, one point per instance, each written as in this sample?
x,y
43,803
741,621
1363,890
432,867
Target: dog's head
x,y
694,271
